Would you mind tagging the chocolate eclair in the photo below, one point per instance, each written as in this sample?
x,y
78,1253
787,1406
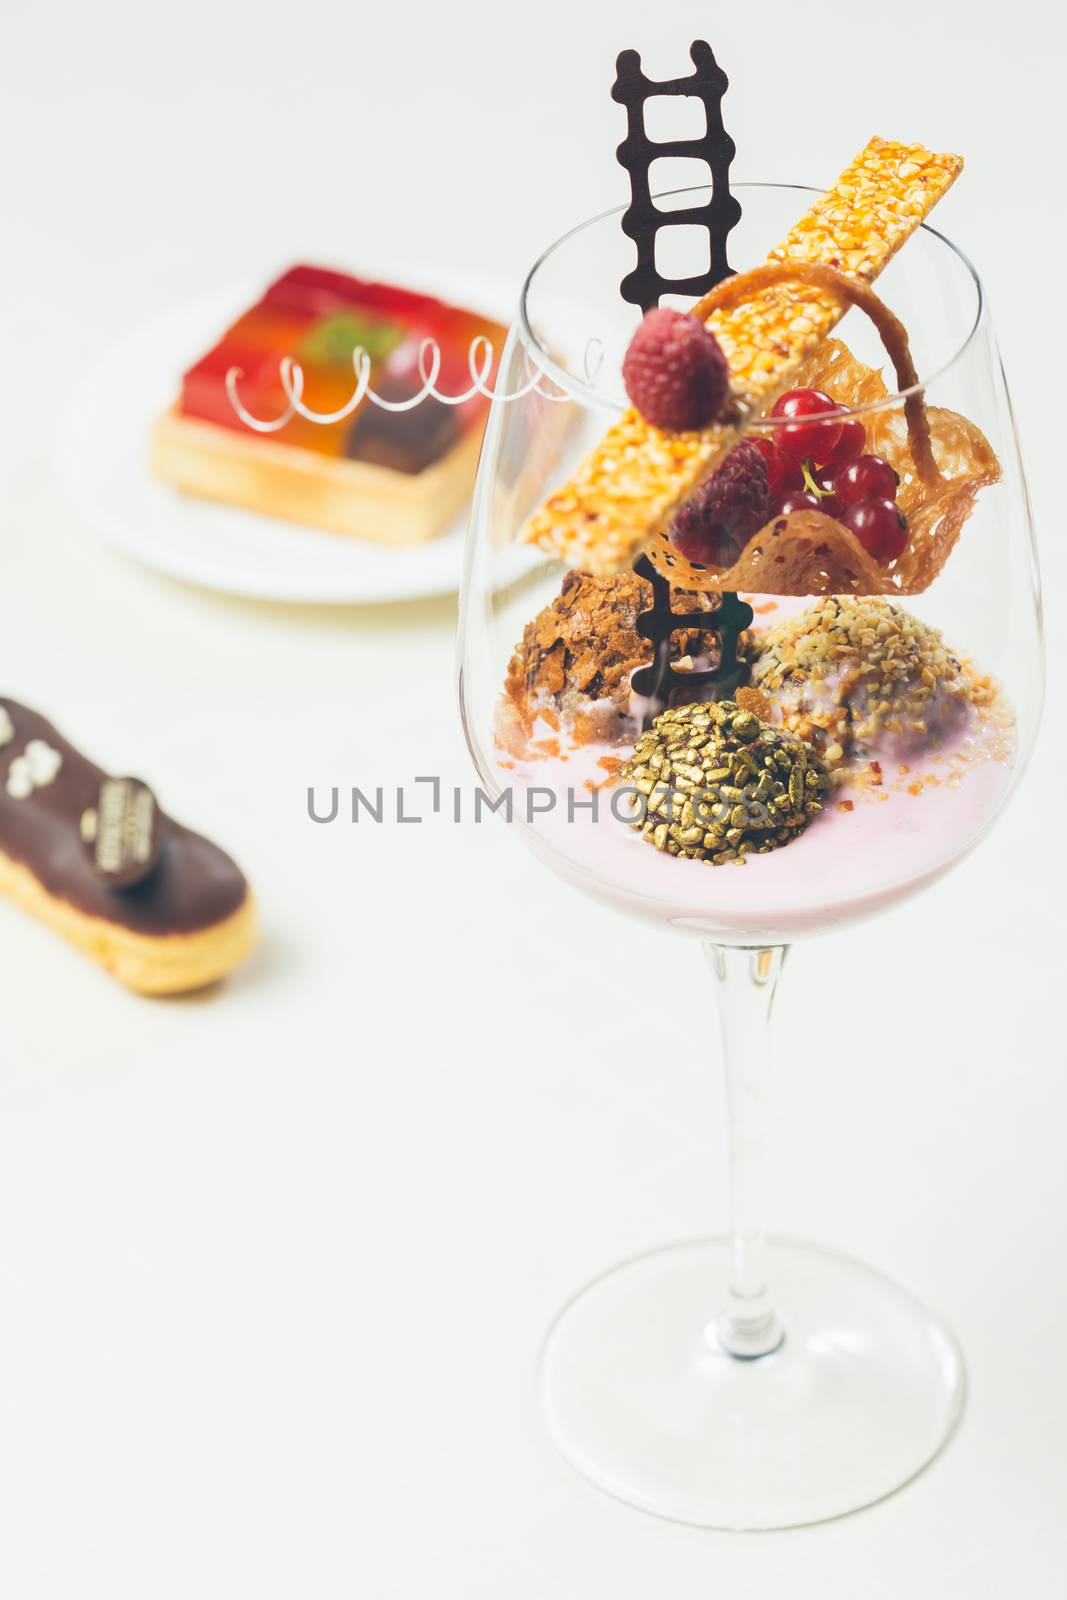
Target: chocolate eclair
x,y
157,905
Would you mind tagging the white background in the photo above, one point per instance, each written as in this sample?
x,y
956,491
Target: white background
x,y
275,1262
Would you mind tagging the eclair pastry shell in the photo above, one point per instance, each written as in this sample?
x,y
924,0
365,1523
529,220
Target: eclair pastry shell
x,y
150,964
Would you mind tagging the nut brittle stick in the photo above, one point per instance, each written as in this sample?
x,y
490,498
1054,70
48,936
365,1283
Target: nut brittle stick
x,y
627,488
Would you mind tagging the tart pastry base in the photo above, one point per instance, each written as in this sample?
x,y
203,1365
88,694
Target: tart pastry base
x,y
341,496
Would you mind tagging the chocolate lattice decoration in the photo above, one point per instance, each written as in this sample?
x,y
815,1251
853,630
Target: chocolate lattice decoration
x,y
642,222
728,623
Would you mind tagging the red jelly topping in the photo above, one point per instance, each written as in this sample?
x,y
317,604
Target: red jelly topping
x,y
319,317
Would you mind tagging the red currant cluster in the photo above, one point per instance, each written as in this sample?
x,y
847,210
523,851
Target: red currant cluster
x,y
819,465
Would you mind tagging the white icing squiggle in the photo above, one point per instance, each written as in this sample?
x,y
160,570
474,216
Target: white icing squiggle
x,y
479,360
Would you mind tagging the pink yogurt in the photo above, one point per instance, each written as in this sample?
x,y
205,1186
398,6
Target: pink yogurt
x,y
847,865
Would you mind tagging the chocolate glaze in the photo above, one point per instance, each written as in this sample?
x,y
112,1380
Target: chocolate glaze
x,y
194,885
405,441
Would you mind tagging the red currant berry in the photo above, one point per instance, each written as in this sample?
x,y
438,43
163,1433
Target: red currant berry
x,y
880,528
829,504
869,478
806,440
783,472
802,501
848,447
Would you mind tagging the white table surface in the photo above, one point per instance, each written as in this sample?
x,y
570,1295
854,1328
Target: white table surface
x,y
275,1263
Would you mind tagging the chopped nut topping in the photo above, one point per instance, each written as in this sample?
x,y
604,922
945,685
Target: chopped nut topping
x,y
578,654
847,672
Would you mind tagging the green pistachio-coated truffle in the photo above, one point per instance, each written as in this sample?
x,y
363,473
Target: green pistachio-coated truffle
x,y
713,783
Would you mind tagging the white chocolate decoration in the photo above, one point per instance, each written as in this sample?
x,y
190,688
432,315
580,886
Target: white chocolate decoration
x,y
19,779
7,728
38,766
44,762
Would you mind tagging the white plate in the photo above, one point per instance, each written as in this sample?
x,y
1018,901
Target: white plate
x,y
105,466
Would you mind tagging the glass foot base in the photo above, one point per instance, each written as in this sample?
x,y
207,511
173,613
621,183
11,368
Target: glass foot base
x,y
864,1390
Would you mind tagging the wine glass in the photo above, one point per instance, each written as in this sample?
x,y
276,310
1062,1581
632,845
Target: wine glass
x,y
743,1382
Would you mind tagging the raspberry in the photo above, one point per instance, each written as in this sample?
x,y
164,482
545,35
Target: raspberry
x,y
715,525
675,372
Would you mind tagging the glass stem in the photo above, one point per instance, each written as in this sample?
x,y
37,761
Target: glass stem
x,y
748,1326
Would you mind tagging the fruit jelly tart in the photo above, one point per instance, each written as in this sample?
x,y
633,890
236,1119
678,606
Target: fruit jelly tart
x,y
319,317
394,476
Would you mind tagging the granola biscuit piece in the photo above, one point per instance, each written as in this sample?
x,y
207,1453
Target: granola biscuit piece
x,y
627,488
